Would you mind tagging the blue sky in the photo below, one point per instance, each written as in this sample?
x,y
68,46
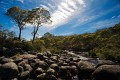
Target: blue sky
x,y
68,16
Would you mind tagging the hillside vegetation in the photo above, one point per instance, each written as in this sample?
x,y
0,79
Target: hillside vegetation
x,y
104,43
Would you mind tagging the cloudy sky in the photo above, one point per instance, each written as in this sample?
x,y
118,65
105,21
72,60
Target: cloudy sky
x,y
68,16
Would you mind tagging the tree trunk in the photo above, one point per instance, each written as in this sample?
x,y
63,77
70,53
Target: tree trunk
x,y
20,33
33,38
34,33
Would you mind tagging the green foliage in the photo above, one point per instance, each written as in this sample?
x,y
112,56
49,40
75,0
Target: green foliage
x,y
19,16
104,43
107,43
38,17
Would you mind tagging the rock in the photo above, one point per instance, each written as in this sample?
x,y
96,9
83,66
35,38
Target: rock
x,y
42,76
28,56
54,58
49,61
107,72
85,70
73,70
42,65
26,67
52,77
51,71
105,62
47,53
55,67
38,71
9,70
33,53
5,60
14,51
64,73
24,75
18,60
32,62
3,51
40,56
20,69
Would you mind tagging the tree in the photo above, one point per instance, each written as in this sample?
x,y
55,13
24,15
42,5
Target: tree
x,y
38,17
19,16
48,35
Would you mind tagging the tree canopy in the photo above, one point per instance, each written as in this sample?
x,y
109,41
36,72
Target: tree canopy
x,y
19,16
38,17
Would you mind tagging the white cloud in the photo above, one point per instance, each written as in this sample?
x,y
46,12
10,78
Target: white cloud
x,y
66,33
62,11
65,11
14,28
46,7
91,16
102,24
118,16
113,17
22,1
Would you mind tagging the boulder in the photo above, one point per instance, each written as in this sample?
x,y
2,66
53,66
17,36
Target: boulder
x,y
24,75
85,70
9,70
47,53
105,62
12,52
37,72
55,67
51,71
5,60
52,77
42,76
73,70
42,65
40,56
64,73
107,72
26,67
20,69
3,51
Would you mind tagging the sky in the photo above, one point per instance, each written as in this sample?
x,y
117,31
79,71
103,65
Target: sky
x,y
68,16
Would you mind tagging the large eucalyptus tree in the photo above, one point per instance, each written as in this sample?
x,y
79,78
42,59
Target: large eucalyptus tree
x,y
38,17
19,16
